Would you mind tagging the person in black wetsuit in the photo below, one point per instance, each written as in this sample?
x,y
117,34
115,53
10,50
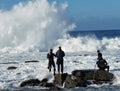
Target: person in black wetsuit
x,y
102,63
51,62
99,55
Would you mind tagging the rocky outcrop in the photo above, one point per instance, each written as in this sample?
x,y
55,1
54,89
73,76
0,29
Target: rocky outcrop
x,y
43,83
78,78
83,78
60,78
102,76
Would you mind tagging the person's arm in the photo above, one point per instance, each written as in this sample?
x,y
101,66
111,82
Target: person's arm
x,y
54,54
105,62
63,53
48,55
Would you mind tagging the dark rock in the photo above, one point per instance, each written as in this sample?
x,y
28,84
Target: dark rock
x,y
86,77
56,88
48,85
31,82
86,54
18,73
31,61
60,78
98,76
87,74
70,83
77,62
102,75
44,80
12,68
117,61
76,73
78,78
63,77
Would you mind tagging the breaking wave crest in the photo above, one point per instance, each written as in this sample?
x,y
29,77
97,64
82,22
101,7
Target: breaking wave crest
x,y
40,25
35,25
89,43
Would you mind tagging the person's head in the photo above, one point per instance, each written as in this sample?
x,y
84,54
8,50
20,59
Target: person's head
x,y
98,51
59,47
51,50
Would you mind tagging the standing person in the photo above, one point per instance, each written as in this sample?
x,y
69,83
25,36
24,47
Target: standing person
x,y
51,62
60,54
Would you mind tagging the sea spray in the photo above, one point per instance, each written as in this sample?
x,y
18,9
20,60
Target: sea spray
x,y
88,43
35,25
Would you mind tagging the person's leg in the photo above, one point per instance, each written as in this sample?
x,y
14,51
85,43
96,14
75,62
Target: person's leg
x,y
62,67
58,68
54,69
50,67
107,68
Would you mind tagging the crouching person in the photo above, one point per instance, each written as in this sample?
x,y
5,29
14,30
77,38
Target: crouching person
x,y
102,64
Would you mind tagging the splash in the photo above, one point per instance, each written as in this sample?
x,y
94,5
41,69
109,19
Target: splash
x,y
88,43
38,25
35,25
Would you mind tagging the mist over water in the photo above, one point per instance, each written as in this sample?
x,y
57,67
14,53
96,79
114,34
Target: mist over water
x,y
35,25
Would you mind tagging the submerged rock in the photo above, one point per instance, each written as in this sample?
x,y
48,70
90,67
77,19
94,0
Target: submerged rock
x,y
31,82
12,68
31,61
9,63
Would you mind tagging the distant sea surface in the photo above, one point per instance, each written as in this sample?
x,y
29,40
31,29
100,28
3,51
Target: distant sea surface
x,y
98,33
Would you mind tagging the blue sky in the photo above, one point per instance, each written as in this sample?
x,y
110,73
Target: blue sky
x,y
88,14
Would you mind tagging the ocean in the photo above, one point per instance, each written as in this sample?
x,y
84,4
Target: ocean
x,y
98,33
27,32
11,79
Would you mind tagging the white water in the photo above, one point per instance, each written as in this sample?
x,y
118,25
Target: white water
x,y
89,43
13,78
34,25
28,29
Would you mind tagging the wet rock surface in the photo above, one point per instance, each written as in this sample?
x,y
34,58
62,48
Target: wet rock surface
x,y
78,78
